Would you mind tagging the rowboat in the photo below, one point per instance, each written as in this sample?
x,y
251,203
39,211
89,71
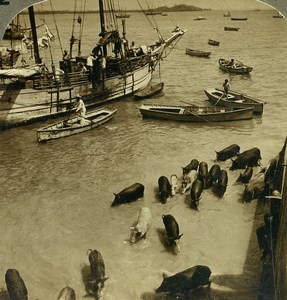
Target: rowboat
x,y
198,53
149,91
239,19
199,18
193,113
213,42
234,66
72,126
234,99
231,28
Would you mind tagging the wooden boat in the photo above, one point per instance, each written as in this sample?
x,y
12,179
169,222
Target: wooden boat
x,y
239,19
199,18
122,16
213,42
231,28
278,16
198,53
149,91
234,99
234,67
38,92
227,14
72,126
193,113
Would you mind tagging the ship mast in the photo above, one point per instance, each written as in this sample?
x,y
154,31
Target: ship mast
x,y
34,34
103,26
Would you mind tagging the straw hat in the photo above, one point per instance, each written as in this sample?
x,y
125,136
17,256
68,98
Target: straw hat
x,y
78,96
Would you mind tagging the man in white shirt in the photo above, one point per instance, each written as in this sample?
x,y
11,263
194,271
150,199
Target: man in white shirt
x,y
80,110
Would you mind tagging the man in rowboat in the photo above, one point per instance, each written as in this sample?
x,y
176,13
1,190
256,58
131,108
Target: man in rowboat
x,y
226,87
80,110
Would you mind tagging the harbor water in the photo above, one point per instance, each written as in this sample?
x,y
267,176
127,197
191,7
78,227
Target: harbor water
x,y
56,197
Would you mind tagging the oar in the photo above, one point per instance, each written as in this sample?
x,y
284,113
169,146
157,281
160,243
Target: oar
x,y
219,99
195,114
188,103
92,121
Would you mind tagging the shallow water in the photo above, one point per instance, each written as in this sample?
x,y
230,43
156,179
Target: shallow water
x,y
56,197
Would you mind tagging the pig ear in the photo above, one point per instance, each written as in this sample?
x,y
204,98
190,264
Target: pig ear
x,y
216,152
115,194
180,236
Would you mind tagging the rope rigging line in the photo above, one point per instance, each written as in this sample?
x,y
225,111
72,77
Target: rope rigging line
x,y
81,20
57,30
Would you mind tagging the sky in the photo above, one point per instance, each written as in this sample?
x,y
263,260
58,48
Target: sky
x,y
133,4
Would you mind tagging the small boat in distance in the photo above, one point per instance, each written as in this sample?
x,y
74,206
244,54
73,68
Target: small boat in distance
x,y
122,16
149,91
231,28
213,42
234,99
198,53
238,19
72,126
227,14
234,66
200,18
193,113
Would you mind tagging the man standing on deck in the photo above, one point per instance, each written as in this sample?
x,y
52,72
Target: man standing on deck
x,y
226,87
90,66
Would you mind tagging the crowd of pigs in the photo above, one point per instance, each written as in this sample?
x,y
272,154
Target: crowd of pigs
x,y
195,178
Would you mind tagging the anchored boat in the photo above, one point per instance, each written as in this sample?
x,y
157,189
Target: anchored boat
x,y
34,93
195,113
73,126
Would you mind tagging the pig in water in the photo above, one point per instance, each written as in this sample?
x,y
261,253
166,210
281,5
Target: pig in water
x,y
188,181
173,183
195,193
164,189
245,176
172,230
255,188
202,173
15,285
186,280
213,175
247,158
98,274
142,226
227,152
193,165
67,293
220,187
129,194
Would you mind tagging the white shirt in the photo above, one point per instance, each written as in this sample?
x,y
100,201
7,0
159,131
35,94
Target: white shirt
x,y
90,60
80,107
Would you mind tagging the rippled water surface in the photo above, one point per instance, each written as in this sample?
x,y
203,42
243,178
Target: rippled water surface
x,y
56,197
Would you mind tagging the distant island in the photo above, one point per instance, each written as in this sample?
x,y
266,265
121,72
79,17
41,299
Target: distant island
x,y
178,7
175,8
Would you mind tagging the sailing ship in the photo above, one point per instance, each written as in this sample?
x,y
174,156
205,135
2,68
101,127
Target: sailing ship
x,y
33,93
14,31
